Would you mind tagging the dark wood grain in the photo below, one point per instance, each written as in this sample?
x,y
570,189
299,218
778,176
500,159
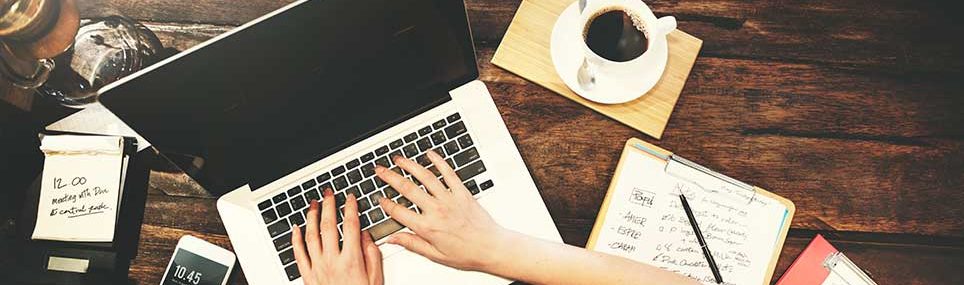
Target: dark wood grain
x,y
852,109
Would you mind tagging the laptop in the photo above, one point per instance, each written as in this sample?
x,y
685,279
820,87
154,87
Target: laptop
x,y
314,95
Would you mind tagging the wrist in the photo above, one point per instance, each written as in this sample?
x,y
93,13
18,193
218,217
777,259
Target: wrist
x,y
502,245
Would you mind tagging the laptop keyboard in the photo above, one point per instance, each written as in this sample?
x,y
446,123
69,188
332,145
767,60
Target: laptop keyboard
x,y
448,137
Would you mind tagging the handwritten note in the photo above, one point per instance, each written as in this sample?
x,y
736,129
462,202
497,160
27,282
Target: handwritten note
x,y
646,222
80,189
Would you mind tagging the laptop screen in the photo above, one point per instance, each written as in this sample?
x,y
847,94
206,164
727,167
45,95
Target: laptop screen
x,y
285,92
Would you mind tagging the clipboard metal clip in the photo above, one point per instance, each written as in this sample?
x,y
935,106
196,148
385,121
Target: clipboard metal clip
x,y
836,259
673,158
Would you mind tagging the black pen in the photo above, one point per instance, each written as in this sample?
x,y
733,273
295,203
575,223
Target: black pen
x,y
699,237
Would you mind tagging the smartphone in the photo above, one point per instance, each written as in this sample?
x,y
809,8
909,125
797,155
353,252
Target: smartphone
x,y
197,262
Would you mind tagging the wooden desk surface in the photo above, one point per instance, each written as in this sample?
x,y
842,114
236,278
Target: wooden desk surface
x,y
852,109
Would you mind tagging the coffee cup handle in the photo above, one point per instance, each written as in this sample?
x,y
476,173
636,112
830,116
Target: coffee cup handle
x,y
665,25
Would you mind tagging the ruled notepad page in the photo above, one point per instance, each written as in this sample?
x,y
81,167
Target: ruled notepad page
x,y
645,221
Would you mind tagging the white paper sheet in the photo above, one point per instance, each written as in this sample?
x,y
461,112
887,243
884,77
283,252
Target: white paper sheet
x,y
646,222
96,119
80,190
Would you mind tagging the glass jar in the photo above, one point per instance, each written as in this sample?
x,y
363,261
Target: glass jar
x,y
104,51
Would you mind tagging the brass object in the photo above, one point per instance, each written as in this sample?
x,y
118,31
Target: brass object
x,y
38,29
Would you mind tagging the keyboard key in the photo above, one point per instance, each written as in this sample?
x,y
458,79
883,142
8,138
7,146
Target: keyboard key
x,y
352,164
295,190
367,186
473,188
368,170
486,185
354,191
410,150
339,216
397,143
391,193
394,154
264,204
312,195
471,171
452,147
455,130
438,138
404,202
283,209
435,171
454,117
340,183
298,202
424,144
281,197
425,131
466,157
375,197
381,151
338,170
287,256
269,216
324,177
363,221
466,141
278,228
423,160
340,199
367,157
411,137
364,205
325,186
439,151
307,185
292,272
282,242
450,162
383,161
297,219
438,125
376,215
354,176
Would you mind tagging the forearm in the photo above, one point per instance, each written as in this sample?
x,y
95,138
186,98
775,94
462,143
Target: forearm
x,y
538,261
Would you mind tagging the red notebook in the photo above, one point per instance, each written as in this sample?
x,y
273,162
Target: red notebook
x,y
822,264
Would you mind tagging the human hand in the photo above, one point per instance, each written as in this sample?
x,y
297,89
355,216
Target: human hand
x,y
320,261
452,229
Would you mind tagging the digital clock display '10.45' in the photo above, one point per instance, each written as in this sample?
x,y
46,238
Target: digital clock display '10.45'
x,y
192,269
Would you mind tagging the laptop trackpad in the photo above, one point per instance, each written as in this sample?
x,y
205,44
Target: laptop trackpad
x,y
388,250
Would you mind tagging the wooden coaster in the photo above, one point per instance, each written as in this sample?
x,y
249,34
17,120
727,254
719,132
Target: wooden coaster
x,y
525,51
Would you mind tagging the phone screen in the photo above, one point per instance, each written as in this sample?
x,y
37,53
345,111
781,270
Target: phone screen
x,y
189,268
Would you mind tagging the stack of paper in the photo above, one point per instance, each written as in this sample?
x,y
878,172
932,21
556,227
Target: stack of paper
x,y
81,188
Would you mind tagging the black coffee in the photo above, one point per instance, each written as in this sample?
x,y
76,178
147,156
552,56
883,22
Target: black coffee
x,y
613,36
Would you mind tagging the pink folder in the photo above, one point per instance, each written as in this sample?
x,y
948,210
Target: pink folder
x,y
808,269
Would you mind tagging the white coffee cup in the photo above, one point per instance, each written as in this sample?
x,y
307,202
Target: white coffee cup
x,y
654,29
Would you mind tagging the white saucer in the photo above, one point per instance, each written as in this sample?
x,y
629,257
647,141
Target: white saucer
x,y
567,55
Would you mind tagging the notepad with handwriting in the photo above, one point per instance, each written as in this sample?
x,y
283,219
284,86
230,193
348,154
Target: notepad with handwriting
x,y
81,188
642,219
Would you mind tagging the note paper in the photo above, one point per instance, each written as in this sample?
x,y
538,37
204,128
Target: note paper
x,y
80,190
646,222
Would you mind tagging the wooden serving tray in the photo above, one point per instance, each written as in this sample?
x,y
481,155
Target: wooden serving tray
x,y
525,51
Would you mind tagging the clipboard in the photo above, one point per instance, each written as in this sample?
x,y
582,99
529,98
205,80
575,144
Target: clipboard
x,y
821,261
634,145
